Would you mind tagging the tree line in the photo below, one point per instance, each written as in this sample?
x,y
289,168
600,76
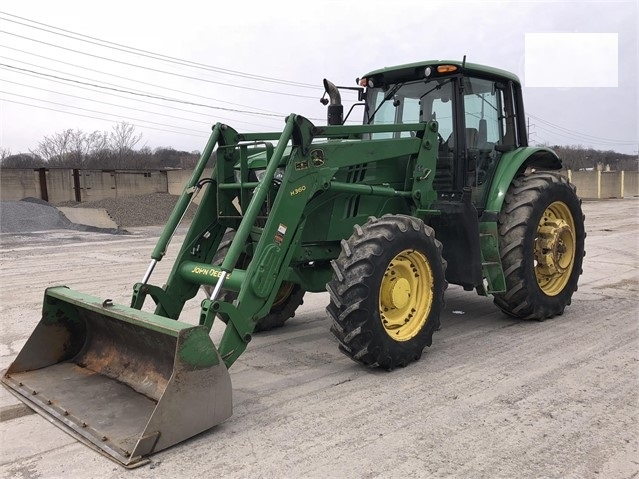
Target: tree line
x,y
114,150
117,150
579,158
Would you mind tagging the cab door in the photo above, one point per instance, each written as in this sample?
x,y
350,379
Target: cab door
x,y
487,131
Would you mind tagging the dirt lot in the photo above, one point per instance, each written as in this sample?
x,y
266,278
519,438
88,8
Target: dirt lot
x,y
493,397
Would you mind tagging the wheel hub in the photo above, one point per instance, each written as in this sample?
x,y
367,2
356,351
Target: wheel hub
x,y
405,295
552,244
401,293
554,248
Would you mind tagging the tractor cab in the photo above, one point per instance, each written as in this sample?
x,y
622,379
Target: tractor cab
x,y
478,110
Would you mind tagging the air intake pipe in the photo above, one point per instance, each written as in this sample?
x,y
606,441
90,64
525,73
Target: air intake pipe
x,y
335,113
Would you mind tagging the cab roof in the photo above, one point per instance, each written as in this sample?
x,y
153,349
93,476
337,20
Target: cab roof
x,y
415,71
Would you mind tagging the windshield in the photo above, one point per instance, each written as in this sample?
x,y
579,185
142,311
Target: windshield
x,y
411,102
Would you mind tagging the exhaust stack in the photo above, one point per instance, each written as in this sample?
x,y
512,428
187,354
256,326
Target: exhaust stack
x,y
335,114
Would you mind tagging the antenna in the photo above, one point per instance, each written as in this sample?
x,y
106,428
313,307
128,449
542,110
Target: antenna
x,y
464,62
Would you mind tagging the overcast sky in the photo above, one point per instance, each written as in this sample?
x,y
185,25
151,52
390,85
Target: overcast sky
x,y
57,71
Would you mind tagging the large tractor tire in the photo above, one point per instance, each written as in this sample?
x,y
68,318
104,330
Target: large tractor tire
x,y
289,297
541,243
387,291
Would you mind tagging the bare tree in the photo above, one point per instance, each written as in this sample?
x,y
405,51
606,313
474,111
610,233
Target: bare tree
x,y
582,158
96,149
572,157
74,149
22,160
143,158
122,140
79,149
4,153
55,149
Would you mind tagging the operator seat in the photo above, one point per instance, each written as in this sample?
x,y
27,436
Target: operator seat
x,y
472,138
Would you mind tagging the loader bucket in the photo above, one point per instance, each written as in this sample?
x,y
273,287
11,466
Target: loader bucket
x,y
125,382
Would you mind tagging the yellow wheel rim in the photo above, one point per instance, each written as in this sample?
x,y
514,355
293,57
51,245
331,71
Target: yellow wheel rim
x,y
283,293
555,248
406,295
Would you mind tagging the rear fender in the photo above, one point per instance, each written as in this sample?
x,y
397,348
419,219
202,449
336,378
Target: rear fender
x,y
511,164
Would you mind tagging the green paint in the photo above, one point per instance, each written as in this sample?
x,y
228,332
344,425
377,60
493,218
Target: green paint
x,y
292,196
196,350
510,165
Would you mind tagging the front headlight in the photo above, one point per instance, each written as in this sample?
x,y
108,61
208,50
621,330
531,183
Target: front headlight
x,y
259,174
279,174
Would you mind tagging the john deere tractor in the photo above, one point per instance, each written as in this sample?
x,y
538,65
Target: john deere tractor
x,y
437,186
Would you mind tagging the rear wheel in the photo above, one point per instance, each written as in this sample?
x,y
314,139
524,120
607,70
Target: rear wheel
x,y
541,242
289,297
387,291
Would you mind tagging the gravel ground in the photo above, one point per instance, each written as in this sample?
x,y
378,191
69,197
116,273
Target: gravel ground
x,y
32,214
492,398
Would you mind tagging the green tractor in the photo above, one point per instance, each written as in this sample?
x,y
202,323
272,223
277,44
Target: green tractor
x,y
437,186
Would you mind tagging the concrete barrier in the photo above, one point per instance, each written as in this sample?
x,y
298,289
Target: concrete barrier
x,y
631,184
98,184
17,184
605,184
57,185
178,179
96,217
583,180
60,185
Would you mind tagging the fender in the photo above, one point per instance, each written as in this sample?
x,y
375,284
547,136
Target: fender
x,y
514,162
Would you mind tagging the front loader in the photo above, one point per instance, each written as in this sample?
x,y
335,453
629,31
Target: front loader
x,y
437,186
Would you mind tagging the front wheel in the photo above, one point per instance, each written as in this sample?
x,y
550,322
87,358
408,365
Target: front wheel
x,y
289,297
387,291
541,242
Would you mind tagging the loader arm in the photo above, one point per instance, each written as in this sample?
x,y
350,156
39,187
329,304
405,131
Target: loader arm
x,y
307,169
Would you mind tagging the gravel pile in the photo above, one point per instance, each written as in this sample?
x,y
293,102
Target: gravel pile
x,y
32,214
145,210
